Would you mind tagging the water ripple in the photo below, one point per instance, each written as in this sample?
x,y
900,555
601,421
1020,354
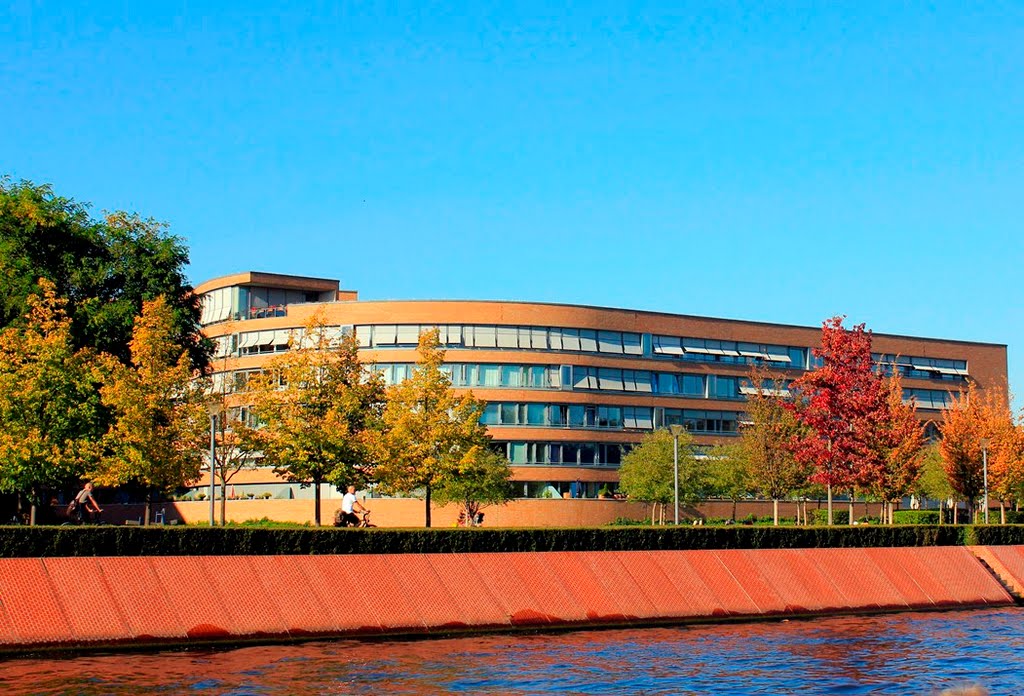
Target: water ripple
x,y
886,654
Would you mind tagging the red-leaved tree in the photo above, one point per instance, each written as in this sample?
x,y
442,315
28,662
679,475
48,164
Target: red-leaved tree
x,y
837,405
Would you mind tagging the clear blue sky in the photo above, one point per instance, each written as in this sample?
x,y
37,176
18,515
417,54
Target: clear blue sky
x,y
864,158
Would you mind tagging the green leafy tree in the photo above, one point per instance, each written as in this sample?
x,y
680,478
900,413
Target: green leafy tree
x,y
647,471
428,430
51,419
482,477
105,268
316,406
729,474
236,444
159,423
933,483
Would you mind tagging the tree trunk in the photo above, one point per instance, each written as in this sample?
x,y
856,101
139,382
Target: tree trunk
x,y
654,511
853,495
830,522
775,511
734,510
32,514
146,510
956,511
223,500
427,506
1002,512
316,502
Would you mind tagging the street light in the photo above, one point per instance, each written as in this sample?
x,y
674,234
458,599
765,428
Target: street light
x,y
676,431
984,471
214,410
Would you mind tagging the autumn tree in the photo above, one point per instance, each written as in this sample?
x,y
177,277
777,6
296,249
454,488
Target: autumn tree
x,y
834,405
964,426
315,405
897,439
647,472
481,477
429,431
104,267
51,420
159,423
1005,450
765,442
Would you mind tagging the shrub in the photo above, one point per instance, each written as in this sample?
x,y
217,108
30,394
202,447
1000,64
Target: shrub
x,y
34,542
819,516
915,517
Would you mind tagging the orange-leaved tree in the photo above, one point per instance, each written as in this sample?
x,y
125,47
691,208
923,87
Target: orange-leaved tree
x,y
315,406
897,442
429,433
965,426
51,420
157,435
1004,449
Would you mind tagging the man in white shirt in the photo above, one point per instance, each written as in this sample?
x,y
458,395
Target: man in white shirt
x,y
349,506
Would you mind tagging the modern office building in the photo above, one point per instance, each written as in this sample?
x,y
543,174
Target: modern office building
x,y
568,387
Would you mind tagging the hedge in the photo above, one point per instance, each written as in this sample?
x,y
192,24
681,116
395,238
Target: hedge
x,y
191,541
915,517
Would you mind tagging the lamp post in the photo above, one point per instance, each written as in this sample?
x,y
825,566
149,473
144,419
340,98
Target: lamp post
x,y
676,431
984,472
214,410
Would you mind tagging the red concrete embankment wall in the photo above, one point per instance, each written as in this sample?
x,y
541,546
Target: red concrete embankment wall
x,y
96,601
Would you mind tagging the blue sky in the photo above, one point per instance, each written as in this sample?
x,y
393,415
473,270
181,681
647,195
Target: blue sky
x,y
721,159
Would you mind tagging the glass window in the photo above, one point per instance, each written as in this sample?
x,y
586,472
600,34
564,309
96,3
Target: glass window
x,y
536,414
726,387
609,417
538,376
508,337
588,340
609,341
485,337
538,339
408,335
798,358
694,385
588,453
576,416
554,453
490,416
631,344
612,454
667,383
570,339
508,414
490,376
517,452
610,379
570,453
557,414
511,376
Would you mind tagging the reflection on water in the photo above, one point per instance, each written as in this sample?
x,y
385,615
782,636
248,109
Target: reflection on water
x,y
891,654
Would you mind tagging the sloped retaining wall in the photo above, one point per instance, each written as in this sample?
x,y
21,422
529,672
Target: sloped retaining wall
x,y
91,602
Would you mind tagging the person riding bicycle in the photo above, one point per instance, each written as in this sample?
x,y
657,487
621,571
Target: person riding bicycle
x,y
349,506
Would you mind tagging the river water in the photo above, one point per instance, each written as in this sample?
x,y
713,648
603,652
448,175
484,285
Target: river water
x,y
921,653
